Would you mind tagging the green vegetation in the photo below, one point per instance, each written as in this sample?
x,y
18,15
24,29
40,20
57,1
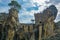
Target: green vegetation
x,y
15,5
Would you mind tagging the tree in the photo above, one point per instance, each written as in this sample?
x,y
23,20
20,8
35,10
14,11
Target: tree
x,y
15,5
32,20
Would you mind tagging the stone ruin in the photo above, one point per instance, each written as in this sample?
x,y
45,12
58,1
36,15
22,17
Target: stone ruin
x,y
11,29
46,21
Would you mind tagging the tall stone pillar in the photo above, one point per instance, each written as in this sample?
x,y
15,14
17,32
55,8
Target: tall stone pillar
x,y
50,26
40,32
33,34
32,37
12,21
25,28
10,34
26,32
45,30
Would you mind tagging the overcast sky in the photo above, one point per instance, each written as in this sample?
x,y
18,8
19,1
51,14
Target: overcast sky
x,y
29,7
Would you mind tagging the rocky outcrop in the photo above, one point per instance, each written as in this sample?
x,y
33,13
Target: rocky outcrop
x,y
44,25
46,20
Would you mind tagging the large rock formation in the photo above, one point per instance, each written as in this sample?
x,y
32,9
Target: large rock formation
x,y
44,25
46,20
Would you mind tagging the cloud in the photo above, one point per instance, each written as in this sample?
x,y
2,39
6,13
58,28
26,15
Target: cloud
x,y
58,15
4,6
4,2
55,1
4,9
40,5
26,17
29,7
57,18
58,7
40,2
0,0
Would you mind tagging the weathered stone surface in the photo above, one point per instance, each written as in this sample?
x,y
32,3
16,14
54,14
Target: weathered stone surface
x,y
44,25
47,19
